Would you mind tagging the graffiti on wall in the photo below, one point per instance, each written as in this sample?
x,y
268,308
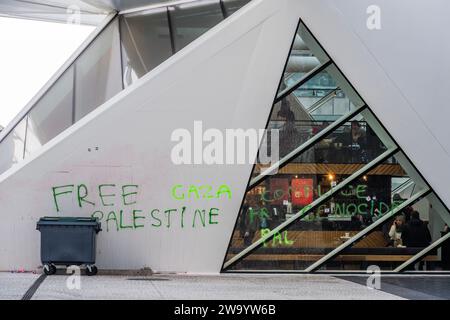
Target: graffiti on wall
x,y
117,205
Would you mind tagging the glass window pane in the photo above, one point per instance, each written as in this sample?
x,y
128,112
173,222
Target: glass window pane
x,y
436,219
231,6
98,72
146,42
387,246
327,226
296,185
295,127
191,20
306,55
11,148
52,114
310,109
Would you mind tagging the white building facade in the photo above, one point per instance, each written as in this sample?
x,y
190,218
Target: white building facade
x,y
360,177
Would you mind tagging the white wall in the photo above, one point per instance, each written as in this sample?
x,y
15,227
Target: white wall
x,y
227,78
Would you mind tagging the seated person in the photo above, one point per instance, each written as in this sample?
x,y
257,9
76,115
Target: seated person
x,y
356,222
397,201
396,231
353,140
415,233
354,135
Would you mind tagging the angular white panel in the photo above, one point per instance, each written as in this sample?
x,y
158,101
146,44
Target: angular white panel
x,y
227,78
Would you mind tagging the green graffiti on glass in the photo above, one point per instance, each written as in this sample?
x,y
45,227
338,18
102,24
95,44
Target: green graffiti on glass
x,y
278,239
262,213
278,194
343,209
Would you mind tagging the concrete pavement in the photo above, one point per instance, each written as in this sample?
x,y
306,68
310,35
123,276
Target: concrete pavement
x,y
160,287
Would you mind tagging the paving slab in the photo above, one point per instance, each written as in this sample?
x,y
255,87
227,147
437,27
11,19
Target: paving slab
x,y
14,285
217,287
414,287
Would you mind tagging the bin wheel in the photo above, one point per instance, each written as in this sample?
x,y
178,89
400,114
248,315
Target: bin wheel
x,y
49,269
91,270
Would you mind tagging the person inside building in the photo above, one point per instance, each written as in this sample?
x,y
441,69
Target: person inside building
x,y
397,200
249,221
356,222
353,142
415,233
358,134
289,135
396,231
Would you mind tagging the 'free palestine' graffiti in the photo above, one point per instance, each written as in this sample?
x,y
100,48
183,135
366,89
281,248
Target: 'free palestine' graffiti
x,y
124,216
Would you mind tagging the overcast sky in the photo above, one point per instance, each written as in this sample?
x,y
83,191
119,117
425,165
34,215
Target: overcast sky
x,y
31,52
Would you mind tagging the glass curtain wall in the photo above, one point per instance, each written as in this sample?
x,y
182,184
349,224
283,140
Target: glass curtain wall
x,y
191,20
127,49
343,196
151,37
12,146
146,42
231,6
92,79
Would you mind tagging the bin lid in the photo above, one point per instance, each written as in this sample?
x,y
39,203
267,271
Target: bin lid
x,y
69,221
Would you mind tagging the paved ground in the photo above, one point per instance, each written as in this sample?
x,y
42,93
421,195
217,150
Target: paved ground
x,y
228,287
13,285
412,287
232,287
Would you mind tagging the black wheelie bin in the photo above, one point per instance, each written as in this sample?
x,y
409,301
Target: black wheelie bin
x,y
68,241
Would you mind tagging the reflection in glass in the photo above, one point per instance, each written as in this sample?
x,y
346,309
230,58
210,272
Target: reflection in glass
x,y
306,56
307,178
98,72
52,114
431,226
191,20
325,227
312,107
353,142
146,42
297,122
12,147
231,6
390,244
